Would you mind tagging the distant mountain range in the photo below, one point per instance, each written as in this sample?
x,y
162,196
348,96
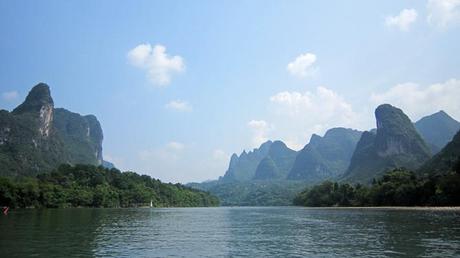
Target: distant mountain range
x,y
36,137
341,154
322,158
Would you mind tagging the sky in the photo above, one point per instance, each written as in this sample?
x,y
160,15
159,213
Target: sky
x,y
179,86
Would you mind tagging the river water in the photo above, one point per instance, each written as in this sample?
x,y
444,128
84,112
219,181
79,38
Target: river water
x,y
230,232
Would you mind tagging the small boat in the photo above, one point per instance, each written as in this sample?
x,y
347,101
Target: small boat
x,y
151,203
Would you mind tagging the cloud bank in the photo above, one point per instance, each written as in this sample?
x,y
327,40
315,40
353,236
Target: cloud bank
x,y
443,13
297,115
418,101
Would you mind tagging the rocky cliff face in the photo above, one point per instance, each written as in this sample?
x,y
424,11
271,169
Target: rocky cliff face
x,y
40,106
395,144
35,137
82,136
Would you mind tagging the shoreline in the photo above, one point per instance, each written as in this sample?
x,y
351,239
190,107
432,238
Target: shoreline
x,y
400,208
408,208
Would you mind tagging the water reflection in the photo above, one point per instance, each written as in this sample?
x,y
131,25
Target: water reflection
x,y
50,233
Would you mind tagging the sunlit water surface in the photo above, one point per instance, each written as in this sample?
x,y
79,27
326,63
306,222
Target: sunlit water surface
x,y
217,232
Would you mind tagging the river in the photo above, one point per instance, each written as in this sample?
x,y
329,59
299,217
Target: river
x,y
230,232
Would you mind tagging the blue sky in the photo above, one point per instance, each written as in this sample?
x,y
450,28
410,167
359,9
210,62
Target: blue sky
x,y
178,86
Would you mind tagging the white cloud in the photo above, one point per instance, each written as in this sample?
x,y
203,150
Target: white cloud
x,y
168,153
260,130
179,105
177,162
443,13
324,100
10,95
417,101
298,115
175,146
159,66
220,155
118,162
402,21
303,66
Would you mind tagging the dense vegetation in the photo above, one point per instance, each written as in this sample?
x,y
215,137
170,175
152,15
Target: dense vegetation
x,y
398,187
253,193
91,186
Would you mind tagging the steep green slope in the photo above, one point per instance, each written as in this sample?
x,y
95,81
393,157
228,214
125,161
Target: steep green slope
x,y
446,161
395,144
325,157
277,163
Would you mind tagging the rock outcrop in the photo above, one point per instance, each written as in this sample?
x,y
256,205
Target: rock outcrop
x,y
396,143
35,137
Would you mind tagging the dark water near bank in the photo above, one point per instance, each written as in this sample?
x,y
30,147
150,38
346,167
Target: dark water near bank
x,y
211,232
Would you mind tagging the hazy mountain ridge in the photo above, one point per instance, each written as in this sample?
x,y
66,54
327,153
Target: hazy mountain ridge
x,y
277,163
437,130
325,157
243,167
